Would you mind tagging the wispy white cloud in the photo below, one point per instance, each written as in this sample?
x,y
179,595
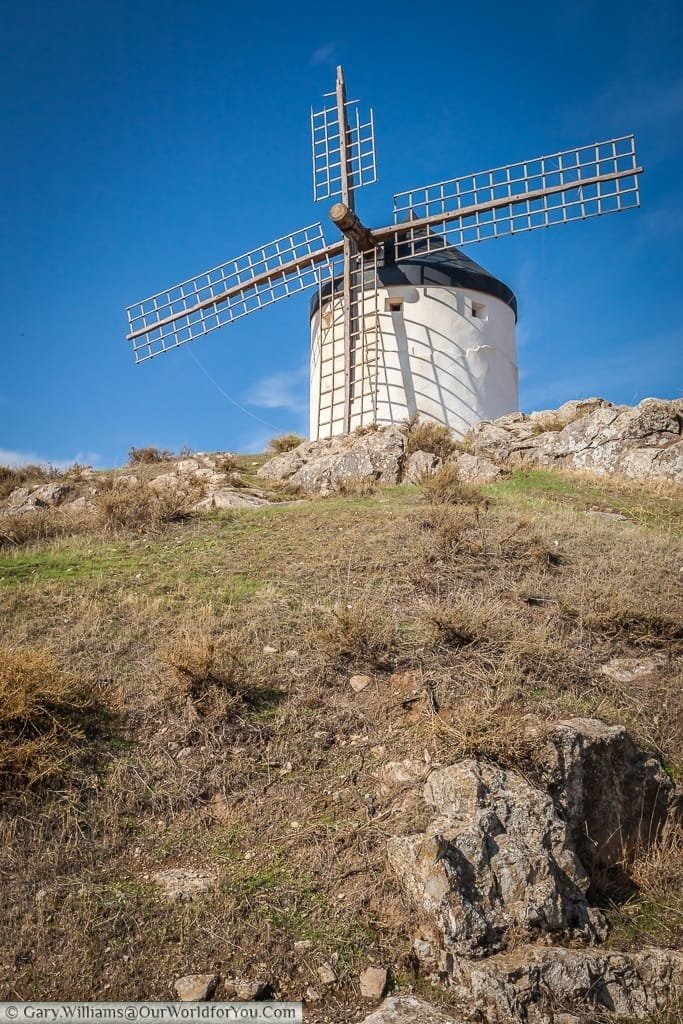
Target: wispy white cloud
x,y
325,54
12,457
287,390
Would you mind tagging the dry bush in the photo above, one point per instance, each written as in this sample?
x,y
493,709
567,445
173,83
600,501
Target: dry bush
x,y
207,669
284,443
141,508
444,487
356,486
226,462
365,429
493,729
40,707
359,634
433,438
148,455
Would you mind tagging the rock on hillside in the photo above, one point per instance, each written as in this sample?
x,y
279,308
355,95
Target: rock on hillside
x,y
206,479
643,442
501,895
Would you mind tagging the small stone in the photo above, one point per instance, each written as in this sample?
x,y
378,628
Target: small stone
x,y
303,945
182,884
312,995
196,988
269,650
628,670
358,683
373,982
246,988
326,975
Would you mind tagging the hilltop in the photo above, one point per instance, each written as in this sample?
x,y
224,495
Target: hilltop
x,y
392,702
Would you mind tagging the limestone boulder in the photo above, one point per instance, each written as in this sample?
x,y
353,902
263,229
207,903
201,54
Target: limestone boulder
x,y
228,497
476,469
642,442
496,862
321,466
537,984
410,1010
419,465
30,499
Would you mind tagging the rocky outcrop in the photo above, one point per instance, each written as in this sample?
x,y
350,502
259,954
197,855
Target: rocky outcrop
x,y
499,887
206,480
615,799
409,1010
643,442
496,861
32,499
533,984
321,466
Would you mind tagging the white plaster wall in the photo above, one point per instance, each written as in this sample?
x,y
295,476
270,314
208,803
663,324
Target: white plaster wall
x,y
434,357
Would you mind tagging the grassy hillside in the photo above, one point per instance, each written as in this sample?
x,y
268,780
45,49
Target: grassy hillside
x,y
181,699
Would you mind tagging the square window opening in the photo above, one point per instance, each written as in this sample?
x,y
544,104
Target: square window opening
x,y
393,305
479,311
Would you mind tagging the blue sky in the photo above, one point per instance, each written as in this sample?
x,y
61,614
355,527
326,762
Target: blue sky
x,y
144,142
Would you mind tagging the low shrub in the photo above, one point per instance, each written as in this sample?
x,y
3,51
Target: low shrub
x,y
434,438
357,634
207,670
285,443
226,462
148,455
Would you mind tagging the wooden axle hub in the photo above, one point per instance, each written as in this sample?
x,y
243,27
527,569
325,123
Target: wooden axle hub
x,y
348,223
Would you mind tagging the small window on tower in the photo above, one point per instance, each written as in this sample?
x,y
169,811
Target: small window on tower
x,y
479,311
393,305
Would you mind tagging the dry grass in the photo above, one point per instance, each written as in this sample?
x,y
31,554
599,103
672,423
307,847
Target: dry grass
x,y
136,506
356,486
226,647
20,528
445,487
40,711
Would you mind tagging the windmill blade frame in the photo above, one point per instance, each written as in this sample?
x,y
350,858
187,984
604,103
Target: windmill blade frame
x,y
217,297
575,184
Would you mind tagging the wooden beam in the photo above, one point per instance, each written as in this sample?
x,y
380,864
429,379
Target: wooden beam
x,y
351,227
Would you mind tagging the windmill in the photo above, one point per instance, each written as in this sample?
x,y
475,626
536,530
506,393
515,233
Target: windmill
x,y
402,321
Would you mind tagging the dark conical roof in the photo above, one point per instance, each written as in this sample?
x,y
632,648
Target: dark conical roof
x,y
447,268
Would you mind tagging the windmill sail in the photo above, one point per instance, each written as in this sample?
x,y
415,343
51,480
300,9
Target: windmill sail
x,y
572,185
219,296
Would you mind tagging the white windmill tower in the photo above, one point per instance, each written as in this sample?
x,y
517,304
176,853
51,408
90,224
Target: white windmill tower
x,y
402,323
